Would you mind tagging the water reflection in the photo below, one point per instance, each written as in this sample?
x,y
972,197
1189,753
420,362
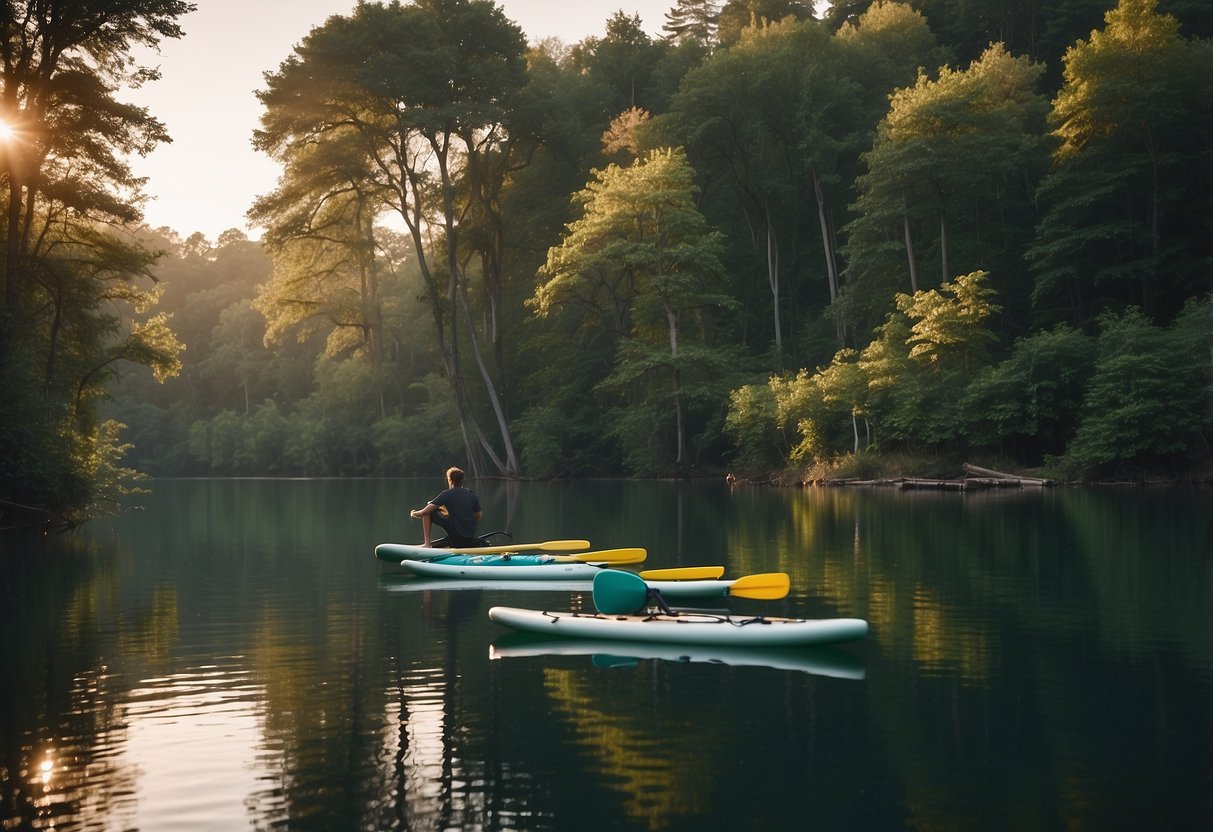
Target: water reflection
x,y
235,657
656,776
192,735
819,661
424,761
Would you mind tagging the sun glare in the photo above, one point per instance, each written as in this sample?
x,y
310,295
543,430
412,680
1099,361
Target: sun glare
x,y
6,132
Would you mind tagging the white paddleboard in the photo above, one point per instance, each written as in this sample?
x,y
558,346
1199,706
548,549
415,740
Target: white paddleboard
x,y
684,627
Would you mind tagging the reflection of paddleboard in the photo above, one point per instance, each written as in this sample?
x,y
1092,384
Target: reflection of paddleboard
x,y
417,584
820,661
684,627
672,590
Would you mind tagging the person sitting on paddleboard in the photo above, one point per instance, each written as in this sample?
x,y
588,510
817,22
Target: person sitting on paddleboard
x,y
457,510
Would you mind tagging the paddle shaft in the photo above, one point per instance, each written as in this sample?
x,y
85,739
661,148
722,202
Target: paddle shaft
x,y
546,546
687,573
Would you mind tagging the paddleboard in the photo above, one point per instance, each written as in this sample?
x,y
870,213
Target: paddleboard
x,y
396,552
819,661
690,627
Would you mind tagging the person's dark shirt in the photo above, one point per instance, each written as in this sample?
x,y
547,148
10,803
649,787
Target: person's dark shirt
x,y
461,506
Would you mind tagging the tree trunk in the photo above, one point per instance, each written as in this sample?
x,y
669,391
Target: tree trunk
x,y
53,345
474,441
679,417
1155,233
511,467
413,220
943,245
827,248
12,255
371,308
773,275
910,254
827,245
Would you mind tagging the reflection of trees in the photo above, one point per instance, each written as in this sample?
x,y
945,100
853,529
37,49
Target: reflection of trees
x,y
443,757
60,720
669,745
324,712
993,600
425,762
944,574
1010,629
184,632
658,778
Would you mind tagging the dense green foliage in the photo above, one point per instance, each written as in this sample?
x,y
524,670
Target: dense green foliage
x,y
958,229
642,260
76,296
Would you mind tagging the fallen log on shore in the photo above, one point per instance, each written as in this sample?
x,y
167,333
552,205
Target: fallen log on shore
x,y
992,482
937,485
989,473
976,478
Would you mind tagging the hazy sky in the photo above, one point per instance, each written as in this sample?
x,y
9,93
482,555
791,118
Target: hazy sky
x,y
207,178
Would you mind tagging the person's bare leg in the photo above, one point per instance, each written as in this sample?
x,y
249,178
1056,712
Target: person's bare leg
x,y
426,524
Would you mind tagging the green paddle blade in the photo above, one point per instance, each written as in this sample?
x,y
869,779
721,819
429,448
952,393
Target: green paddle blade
x,y
619,593
768,586
685,573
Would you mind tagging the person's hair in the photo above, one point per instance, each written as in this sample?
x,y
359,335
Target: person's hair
x,y
455,475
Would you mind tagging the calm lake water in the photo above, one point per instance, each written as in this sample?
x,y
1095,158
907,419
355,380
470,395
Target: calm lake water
x,y
233,656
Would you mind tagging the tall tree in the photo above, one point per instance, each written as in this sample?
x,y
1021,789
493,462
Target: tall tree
x,y
769,117
71,306
64,131
1127,219
425,90
622,66
884,48
952,155
643,258
328,263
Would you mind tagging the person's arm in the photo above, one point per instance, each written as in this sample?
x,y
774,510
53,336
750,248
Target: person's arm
x,y
428,508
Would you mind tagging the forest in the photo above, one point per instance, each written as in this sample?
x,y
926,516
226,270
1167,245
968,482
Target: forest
x,y
778,241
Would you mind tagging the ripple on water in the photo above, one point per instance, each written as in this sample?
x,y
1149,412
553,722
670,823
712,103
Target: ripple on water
x,y
192,742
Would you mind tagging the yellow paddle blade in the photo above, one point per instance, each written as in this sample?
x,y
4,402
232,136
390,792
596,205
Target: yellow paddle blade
x,y
547,546
611,556
686,573
768,586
